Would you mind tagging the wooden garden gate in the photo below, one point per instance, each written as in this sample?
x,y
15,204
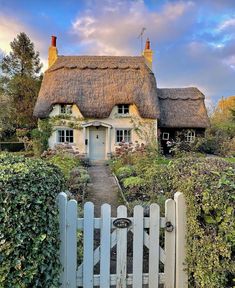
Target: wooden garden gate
x,y
94,270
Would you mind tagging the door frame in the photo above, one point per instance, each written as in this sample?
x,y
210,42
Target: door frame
x,y
86,137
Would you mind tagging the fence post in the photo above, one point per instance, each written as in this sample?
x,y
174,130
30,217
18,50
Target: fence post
x,y
181,275
62,203
170,245
71,243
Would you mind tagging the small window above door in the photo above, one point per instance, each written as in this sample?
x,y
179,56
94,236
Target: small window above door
x,y
66,109
123,109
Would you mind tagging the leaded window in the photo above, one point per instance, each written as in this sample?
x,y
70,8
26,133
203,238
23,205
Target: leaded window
x,y
65,109
123,135
65,136
123,109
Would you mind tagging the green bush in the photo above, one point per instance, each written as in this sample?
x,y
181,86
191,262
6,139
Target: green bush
x,y
29,242
124,172
65,162
209,188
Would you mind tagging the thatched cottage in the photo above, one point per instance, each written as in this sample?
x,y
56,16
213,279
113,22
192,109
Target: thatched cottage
x,y
96,101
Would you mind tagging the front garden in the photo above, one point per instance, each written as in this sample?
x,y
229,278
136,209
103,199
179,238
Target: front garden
x,y
209,187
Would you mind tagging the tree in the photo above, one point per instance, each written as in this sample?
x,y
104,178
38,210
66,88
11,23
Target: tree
x,y
21,74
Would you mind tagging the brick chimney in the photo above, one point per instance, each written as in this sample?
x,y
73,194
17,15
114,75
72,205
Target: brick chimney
x,y
52,52
148,54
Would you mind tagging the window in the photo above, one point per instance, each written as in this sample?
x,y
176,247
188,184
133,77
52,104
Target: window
x,y
123,109
123,135
66,109
165,136
65,136
190,136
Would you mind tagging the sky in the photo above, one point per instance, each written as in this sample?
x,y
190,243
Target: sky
x,y
193,40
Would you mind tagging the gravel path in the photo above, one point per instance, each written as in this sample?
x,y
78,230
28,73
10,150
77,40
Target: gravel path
x,y
103,188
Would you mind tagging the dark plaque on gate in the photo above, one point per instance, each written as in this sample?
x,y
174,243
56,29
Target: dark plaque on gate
x,y
122,222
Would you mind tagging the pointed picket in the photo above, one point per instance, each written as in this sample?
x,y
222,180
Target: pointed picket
x,y
88,245
121,250
138,244
62,203
71,243
169,268
105,246
154,233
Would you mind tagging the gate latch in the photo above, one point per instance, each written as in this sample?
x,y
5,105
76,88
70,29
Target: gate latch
x,y
169,227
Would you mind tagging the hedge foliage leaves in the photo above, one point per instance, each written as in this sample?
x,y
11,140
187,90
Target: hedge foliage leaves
x,y
209,188
29,243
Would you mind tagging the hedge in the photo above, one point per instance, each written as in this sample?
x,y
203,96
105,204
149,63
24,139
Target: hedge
x,y
12,146
29,243
209,189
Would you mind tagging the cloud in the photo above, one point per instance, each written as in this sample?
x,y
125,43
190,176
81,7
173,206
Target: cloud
x,y
10,27
230,23
113,29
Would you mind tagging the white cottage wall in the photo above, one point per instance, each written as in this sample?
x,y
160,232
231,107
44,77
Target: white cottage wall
x,y
116,121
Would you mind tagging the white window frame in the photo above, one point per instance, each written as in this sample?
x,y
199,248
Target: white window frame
x,y
65,136
123,108
67,111
165,136
190,136
123,136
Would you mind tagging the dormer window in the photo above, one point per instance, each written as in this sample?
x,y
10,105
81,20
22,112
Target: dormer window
x,y
123,109
66,109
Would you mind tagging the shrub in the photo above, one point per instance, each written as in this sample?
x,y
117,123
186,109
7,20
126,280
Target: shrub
x,y
124,172
132,182
29,222
77,182
65,162
209,188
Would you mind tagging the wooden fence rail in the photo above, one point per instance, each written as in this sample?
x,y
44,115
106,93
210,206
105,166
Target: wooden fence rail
x,y
114,232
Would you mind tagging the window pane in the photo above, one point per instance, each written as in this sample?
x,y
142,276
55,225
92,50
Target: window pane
x,y
61,136
62,109
123,108
123,135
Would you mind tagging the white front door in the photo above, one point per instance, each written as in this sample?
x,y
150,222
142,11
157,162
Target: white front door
x,y
97,143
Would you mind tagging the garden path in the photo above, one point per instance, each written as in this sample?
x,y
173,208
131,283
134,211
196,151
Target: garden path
x,y
103,188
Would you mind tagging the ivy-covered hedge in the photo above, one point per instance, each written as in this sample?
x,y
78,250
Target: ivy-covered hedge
x,y
209,188
29,243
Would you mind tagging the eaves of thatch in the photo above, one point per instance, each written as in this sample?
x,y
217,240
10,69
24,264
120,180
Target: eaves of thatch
x,y
182,108
96,84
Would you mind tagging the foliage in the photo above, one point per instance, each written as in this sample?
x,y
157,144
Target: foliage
x,y
5,111
65,162
41,135
146,131
77,182
209,186
220,137
29,222
20,74
133,182
124,172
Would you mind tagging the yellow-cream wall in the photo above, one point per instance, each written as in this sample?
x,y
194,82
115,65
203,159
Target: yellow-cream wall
x,y
115,120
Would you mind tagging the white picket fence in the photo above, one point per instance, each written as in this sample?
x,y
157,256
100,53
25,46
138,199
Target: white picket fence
x,y
146,232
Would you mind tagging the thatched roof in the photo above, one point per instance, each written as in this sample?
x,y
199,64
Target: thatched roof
x,y
182,108
98,83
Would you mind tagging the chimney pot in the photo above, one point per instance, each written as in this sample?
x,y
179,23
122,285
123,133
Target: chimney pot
x,y
147,44
53,41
